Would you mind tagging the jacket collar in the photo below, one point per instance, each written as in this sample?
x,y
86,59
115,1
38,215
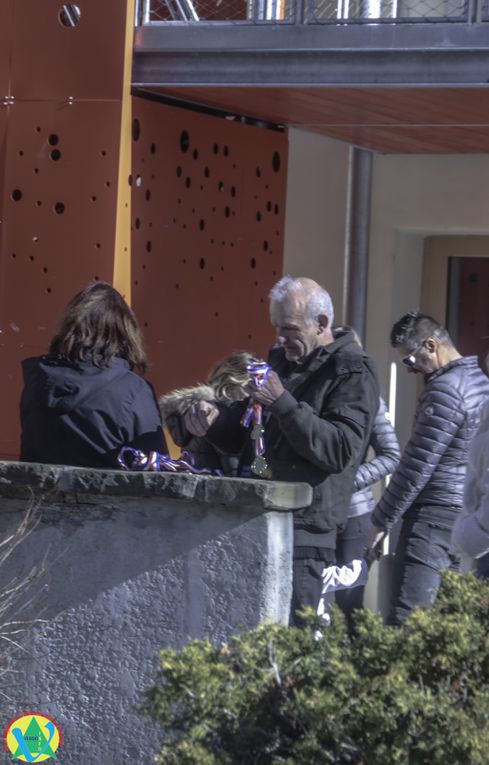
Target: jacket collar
x,y
465,361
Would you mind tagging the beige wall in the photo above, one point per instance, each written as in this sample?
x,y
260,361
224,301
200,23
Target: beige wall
x,y
315,214
413,196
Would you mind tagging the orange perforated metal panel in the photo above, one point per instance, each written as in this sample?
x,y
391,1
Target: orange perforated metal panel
x,y
59,173
59,202
6,15
208,219
53,60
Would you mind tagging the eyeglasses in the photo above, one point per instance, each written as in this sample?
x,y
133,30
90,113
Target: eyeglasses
x,y
410,359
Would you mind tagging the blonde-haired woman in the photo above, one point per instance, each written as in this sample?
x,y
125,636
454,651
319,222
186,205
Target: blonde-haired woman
x,y
226,383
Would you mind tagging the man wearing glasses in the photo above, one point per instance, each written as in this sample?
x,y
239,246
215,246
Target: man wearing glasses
x,y
426,489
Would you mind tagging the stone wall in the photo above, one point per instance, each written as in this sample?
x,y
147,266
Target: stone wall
x,y
135,562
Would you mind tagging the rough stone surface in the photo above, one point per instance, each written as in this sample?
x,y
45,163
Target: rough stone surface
x,y
136,562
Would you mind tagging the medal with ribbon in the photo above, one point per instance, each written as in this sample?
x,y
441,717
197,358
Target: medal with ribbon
x,y
133,459
254,416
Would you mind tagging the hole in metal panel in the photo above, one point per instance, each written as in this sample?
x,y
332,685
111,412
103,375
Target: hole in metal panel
x,y
16,195
136,129
69,15
59,208
152,148
276,162
253,263
55,155
184,141
202,264
53,139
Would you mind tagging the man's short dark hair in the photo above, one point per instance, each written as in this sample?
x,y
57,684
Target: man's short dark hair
x,y
415,327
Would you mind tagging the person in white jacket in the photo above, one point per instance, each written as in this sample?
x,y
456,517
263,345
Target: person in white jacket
x,y
470,534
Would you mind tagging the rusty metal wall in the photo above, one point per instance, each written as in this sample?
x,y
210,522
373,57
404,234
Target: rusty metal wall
x,y
61,88
208,207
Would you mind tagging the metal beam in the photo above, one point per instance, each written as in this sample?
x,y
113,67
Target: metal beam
x,y
359,203
286,55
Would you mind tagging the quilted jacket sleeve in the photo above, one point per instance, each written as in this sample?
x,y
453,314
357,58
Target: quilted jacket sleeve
x,y
439,417
383,441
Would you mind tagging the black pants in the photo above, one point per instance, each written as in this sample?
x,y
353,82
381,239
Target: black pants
x,y
422,552
307,581
350,545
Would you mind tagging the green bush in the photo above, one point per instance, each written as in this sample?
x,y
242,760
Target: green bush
x,y
416,695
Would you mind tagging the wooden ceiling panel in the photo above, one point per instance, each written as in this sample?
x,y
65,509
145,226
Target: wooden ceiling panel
x,y
388,120
411,140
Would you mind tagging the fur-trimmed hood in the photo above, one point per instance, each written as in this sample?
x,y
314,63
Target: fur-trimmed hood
x,y
178,401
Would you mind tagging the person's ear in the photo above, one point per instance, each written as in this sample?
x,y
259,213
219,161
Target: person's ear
x,y
323,322
430,345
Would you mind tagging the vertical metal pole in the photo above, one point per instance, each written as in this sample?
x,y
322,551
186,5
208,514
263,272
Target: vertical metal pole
x,y
146,11
359,203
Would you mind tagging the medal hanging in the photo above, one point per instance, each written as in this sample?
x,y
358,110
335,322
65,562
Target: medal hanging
x,y
253,416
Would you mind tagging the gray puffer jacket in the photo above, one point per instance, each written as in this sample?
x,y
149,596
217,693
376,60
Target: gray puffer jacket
x,y
433,465
383,441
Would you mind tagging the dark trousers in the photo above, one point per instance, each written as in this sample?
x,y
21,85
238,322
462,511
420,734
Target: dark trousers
x,y
350,545
482,567
307,581
422,552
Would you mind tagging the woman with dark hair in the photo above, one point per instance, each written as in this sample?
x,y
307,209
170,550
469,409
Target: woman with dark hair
x,y
84,400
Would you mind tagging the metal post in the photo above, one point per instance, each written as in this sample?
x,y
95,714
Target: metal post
x,y
146,11
358,227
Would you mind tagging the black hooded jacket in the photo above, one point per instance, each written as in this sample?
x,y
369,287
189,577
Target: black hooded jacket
x,y
81,414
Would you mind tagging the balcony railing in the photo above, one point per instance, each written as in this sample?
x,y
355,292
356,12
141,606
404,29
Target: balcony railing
x,y
312,11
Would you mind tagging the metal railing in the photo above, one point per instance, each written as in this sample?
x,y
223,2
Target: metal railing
x,y
312,11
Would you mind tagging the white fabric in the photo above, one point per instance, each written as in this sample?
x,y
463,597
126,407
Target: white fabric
x,y
354,574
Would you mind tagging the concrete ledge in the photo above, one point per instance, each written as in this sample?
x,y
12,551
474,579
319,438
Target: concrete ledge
x,y
136,562
65,483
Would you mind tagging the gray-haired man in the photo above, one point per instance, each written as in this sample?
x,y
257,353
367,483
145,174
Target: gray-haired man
x,y
320,400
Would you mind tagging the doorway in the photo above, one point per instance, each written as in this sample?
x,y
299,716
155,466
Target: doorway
x,y
456,289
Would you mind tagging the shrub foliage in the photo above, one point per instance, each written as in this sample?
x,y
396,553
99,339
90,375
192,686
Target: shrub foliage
x,y
415,695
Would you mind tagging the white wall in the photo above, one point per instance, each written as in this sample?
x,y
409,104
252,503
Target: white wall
x,y
413,196
315,213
